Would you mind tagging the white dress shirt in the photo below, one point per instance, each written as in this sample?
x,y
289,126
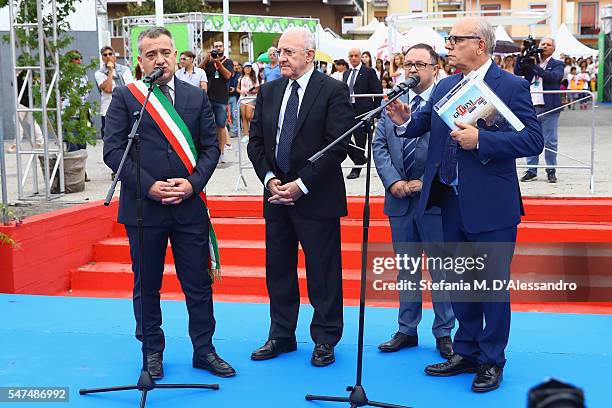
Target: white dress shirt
x,y
171,90
303,82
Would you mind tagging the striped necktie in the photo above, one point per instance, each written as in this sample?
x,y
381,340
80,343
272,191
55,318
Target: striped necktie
x,y
409,144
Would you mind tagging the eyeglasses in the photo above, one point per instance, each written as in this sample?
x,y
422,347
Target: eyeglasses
x,y
108,54
185,58
418,65
289,52
454,39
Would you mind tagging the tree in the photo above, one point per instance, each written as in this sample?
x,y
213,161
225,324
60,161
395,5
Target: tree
x,y
171,7
71,87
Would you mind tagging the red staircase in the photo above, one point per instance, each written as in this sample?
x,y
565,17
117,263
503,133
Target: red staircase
x,y
240,230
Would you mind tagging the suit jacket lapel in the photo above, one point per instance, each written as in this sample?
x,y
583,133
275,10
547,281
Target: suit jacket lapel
x,y
492,77
180,102
312,90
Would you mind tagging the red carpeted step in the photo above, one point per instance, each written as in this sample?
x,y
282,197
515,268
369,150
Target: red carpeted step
x,y
245,281
254,229
565,209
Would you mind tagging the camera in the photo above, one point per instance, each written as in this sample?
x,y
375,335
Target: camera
x,y
214,54
531,50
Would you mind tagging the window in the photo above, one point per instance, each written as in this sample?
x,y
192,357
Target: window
x,y
539,7
587,17
490,10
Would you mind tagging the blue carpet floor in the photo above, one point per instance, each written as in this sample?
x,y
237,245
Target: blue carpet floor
x,y
84,342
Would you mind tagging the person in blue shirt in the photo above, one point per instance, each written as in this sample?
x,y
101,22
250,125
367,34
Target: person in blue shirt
x,y
272,70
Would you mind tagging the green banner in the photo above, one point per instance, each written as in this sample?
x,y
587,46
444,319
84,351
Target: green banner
x,y
180,34
257,24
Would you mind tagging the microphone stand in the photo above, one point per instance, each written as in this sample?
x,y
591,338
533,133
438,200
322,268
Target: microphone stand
x,y
145,381
357,397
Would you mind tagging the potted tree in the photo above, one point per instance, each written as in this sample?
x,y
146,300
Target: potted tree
x,y
73,88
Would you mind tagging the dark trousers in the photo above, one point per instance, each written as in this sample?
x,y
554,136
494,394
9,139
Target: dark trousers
x,y
320,240
358,156
103,119
484,326
190,250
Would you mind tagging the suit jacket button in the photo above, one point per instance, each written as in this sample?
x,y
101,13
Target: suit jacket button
x,y
437,165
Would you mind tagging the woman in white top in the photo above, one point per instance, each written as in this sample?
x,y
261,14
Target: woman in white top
x,y
248,85
397,69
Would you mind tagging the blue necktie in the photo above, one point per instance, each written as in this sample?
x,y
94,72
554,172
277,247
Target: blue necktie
x,y
409,144
283,154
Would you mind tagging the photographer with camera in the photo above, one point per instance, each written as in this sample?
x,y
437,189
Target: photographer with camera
x,y
544,73
219,70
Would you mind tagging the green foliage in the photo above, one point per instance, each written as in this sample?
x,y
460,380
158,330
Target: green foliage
x,y
4,238
71,86
170,7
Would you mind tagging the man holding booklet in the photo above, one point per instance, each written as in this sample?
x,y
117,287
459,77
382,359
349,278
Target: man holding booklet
x,y
179,152
471,174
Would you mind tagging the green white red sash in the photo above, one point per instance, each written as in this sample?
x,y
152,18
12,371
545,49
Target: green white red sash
x,y
177,133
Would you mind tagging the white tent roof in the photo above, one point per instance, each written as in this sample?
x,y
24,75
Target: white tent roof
x,y
339,48
370,28
566,43
501,34
421,34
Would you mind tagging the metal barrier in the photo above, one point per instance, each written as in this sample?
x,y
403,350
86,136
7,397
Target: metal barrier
x,y
3,176
584,165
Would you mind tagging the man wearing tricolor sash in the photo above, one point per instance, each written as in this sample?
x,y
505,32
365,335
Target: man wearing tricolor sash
x,y
179,152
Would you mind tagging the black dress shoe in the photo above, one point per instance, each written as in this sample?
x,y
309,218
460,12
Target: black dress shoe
x,y
354,174
529,176
455,365
398,342
488,378
155,365
444,345
323,355
273,348
213,363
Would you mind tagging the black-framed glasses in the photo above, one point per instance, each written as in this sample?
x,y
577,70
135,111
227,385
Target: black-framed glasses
x,y
454,39
108,54
418,65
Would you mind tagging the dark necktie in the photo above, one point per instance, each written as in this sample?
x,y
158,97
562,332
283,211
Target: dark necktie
x,y
283,155
409,145
351,83
166,90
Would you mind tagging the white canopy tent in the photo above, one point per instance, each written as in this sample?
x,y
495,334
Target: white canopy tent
x,y
339,48
566,43
421,34
501,34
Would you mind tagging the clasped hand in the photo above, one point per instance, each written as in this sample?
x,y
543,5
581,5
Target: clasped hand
x,y
172,191
283,194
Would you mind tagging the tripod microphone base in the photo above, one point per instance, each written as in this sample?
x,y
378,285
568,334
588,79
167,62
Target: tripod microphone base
x,y
146,384
357,398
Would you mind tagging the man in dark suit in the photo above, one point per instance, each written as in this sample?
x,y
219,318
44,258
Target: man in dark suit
x,y
544,76
360,79
172,208
296,116
471,174
400,163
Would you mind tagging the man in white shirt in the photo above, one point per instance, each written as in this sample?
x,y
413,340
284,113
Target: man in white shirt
x,y
110,76
191,74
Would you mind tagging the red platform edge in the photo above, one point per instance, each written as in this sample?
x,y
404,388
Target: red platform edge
x,y
50,245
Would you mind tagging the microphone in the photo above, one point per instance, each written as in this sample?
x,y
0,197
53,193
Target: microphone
x,y
403,87
154,76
